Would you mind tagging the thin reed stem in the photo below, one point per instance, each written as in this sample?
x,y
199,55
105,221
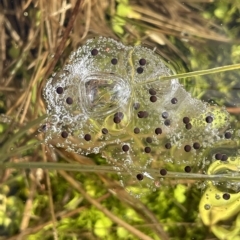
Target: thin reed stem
x,y
224,177
196,73
19,150
9,143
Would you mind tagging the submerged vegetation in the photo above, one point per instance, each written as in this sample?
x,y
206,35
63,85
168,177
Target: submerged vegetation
x,y
47,192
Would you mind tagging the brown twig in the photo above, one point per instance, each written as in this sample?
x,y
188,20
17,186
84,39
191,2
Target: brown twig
x,y
60,215
233,110
61,46
95,203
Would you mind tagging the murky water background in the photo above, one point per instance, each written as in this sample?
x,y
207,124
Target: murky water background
x,y
168,143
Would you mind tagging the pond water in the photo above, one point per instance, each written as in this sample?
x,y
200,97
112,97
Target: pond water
x,y
136,147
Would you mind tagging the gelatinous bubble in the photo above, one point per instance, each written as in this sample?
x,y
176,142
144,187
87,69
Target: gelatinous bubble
x,y
207,206
217,196
165,115
105,94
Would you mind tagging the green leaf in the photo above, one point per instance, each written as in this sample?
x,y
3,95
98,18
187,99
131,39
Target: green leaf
x,y
122,233
101,227
221,11
179,193
14,52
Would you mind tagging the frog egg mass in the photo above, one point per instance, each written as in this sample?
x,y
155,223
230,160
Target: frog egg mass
x,y
102,102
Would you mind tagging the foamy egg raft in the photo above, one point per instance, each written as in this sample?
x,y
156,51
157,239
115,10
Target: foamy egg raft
x,y
101,102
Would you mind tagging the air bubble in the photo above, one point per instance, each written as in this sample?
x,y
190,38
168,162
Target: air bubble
x,y
165,115
53,119
207,207
217,196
